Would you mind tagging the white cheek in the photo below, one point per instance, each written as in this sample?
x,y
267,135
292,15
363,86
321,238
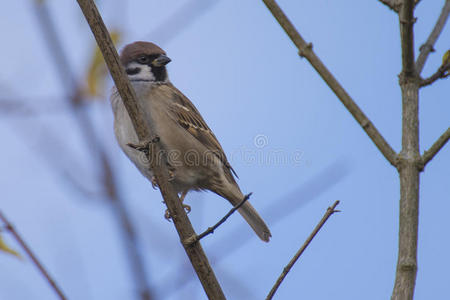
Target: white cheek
x,y
145,73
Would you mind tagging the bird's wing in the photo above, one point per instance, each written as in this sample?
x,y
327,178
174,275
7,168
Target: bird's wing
x,y
185,114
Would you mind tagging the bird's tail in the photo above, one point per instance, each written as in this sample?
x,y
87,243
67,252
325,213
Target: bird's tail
x,y
255,221
235,196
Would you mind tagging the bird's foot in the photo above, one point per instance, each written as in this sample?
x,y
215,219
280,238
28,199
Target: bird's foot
x,y
154,183
144,146
167,215
187,208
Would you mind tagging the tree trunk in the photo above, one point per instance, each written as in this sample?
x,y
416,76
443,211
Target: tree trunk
x,y
409,171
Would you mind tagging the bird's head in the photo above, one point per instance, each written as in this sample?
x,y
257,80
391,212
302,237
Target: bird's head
x,y
145,61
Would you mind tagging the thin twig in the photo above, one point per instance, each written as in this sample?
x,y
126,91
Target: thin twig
x,y
434,149
441,73
143,127
32,256
210,230
428,47
279,210
331,210
306,51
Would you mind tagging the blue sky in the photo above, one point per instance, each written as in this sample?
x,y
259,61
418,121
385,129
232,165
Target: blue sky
x,y
244,75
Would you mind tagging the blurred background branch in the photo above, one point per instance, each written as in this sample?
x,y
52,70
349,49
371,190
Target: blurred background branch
x,y
108,179
51,281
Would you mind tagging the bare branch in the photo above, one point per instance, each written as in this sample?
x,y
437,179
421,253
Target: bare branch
x,y
409,161
441,73
392,4
434,149
210,230
134,108
406,17
33,257
69,81
426,48
279,210
396,5
305,50
331,210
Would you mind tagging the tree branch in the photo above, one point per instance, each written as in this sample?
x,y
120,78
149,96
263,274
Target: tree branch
x,y
441,73
33,257
409,162
210,230
434,149
305,50
134,108
392,4
426,48
69,82
331,210
406,17
396,5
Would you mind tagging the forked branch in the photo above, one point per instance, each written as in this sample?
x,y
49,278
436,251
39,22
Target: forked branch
x,y
305,50
395,5
441,73
428,47
210,230
392,4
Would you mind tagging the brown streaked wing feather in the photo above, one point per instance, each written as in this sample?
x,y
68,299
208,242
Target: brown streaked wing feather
x,y
189,118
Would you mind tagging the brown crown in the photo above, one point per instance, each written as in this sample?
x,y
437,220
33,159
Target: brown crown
x,y
133,50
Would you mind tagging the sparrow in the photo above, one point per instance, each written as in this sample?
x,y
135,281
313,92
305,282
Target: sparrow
x,y
195,158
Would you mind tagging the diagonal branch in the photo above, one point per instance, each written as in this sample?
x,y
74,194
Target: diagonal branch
x,y
280,209
426,48
210,230
33,257
331,210
441,73
134,108
434,149
305,50
69,82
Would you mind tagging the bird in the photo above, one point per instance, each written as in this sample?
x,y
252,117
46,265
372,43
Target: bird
x,y
195,158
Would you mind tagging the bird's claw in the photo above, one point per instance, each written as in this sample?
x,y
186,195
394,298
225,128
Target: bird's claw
x,y
187,208
154,183
143,147
167,215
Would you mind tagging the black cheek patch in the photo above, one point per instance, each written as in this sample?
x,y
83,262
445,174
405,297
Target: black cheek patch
x,y
133,71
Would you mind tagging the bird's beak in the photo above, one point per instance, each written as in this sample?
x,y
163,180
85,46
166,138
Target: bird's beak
x,y
162,60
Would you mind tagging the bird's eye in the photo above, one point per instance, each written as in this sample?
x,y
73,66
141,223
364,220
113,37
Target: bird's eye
x,y
143,59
